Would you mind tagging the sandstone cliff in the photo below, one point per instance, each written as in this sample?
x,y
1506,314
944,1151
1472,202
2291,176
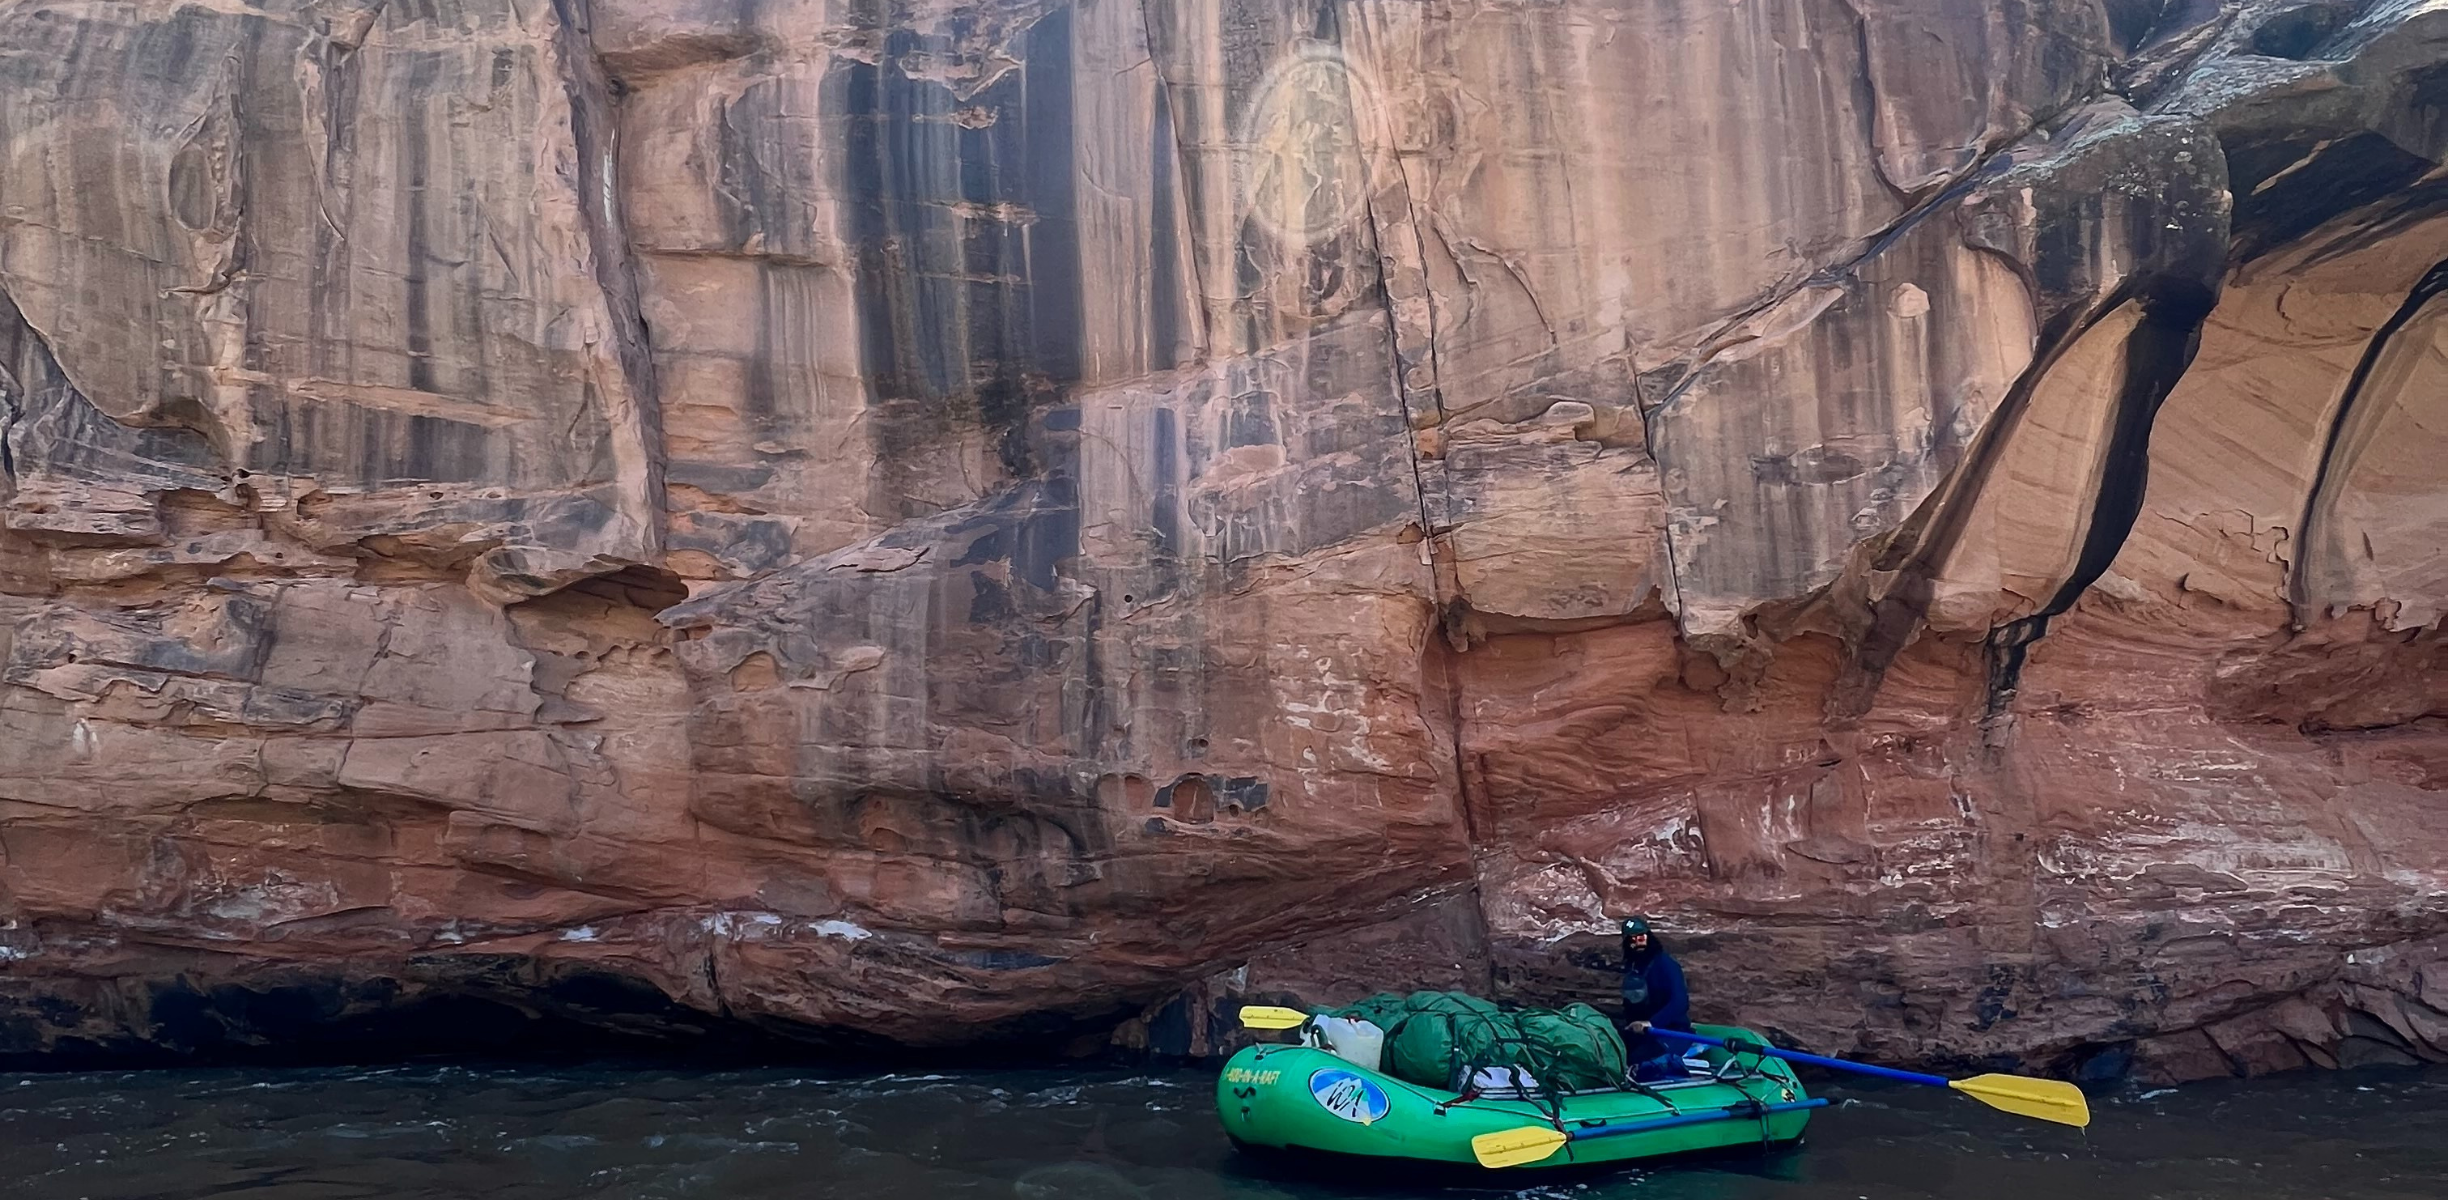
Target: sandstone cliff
x,y
922,522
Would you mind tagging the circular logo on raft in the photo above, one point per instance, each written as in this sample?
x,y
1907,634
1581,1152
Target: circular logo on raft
x,y
1348,1096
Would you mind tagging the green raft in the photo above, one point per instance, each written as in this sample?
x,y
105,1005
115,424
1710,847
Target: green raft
x,y
1296,1098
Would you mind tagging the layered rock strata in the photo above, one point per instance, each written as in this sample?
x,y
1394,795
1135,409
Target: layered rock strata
x,y
920,523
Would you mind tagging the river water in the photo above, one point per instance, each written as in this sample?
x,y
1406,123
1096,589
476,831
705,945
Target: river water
x,y
425,1132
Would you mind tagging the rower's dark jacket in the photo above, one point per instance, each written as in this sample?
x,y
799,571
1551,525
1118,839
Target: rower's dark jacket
x,y
1653,988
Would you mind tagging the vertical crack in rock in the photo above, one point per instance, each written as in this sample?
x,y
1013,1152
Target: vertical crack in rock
x,y
636,413
1866,91
1444,581
2157,353
1430,526
351,34
2324,478
1181,174
713,980
328,90
1445,589
10,389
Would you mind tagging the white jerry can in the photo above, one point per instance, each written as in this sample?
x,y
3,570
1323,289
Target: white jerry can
x,y
1356,1042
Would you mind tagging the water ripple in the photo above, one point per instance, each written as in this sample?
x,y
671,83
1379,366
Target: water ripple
x,y
453,1132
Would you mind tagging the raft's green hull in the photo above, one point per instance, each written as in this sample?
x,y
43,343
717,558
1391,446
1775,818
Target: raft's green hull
x,y
1277,1097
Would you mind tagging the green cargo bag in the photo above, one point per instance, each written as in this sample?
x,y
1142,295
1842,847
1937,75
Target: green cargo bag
x,y
1437,1039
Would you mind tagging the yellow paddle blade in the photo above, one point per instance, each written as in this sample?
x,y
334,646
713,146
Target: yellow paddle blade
x,y
2047,1099
1262,1016
1515,1147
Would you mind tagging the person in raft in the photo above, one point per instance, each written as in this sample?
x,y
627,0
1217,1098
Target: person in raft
x,y
1653,996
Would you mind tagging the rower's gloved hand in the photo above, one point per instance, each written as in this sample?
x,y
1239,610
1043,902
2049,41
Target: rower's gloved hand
x,y
1637,1027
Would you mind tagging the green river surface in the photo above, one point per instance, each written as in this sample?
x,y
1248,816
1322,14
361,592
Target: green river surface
x,y
562,1133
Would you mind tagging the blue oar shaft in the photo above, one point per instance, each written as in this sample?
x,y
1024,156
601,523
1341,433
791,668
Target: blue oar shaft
x,y
1697,1118
1816,1060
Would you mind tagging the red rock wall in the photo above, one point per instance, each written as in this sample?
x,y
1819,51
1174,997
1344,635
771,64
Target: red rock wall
x,y
949,521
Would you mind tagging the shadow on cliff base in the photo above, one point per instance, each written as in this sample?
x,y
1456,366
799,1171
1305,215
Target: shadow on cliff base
x,y
482,1009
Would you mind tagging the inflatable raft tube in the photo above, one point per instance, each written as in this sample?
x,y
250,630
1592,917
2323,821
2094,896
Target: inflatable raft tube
x,y
1294,1098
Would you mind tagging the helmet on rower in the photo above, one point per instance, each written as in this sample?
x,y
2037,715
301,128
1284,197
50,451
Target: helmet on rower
x,y
1638,942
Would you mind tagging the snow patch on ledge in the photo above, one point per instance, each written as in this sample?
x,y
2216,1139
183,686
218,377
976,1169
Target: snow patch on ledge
x,y
731,923
761,925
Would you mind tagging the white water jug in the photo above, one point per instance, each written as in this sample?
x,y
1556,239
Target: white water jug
x,y
1356,1042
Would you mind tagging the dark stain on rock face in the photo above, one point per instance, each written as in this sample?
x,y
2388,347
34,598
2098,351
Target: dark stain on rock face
x,y
1034,527
415,169
1245,793
2311,527
716,477
768,181
966,241
786,307
2157,354
47,425
2178,269
989,601
2286,187
1053,249
1301,509
750,542
1050,534
2298,32
384,447
1814,466
1035,860
1164,252
327,315
2059,265
877,174
1164,469
1002,403
1251,421
990,542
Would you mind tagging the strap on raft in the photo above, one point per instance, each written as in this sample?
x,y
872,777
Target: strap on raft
x,y
1533,1143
